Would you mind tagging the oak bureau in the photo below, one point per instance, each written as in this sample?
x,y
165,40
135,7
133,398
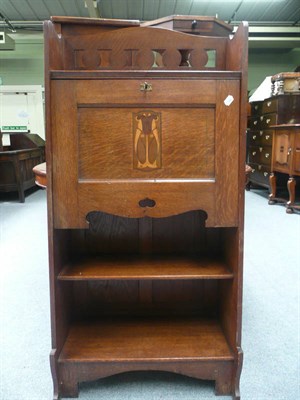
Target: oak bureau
x,y
145,175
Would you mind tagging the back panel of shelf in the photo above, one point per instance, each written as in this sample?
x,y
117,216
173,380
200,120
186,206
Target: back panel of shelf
x,y
146,266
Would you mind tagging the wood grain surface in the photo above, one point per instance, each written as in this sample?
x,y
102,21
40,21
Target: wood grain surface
x,y
145,178
145,339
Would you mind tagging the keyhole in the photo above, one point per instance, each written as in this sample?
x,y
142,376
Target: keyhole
x,y
147,203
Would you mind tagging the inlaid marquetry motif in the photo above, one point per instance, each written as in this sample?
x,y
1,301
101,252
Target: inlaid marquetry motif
x,y
147,140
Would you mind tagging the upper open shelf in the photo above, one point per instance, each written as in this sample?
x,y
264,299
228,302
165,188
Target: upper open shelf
x,y
140,267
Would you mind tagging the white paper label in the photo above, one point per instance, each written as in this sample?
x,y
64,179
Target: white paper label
x,y
229,99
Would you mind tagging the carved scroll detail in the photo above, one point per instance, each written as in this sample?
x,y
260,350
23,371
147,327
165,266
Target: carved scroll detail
x,y
147,140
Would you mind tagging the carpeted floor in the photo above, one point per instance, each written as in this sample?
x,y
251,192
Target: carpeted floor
x,y
270,312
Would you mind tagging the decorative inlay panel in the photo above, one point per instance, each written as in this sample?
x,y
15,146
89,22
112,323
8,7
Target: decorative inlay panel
x,y
147,140
127,143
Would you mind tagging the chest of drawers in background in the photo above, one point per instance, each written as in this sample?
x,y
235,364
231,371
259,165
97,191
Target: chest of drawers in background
x,y
276,110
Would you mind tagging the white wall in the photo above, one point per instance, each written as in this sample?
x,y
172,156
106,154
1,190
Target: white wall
x,y
22,109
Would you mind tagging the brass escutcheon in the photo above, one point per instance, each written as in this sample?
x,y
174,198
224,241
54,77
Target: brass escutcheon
x,y
146,87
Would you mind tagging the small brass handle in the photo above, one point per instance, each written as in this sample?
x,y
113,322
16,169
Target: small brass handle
x,y
266,174
261,118
267,155
260,149
259,167
269,103
255,123
267,137
146,87
261,133
194,24
268,121
254,137
253,153
289,151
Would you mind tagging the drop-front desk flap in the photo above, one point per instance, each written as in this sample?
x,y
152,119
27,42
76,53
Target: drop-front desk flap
x,y
129,140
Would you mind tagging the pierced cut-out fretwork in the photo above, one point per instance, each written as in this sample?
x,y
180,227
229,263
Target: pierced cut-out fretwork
x,y
185,57
149,51
158,58
212,56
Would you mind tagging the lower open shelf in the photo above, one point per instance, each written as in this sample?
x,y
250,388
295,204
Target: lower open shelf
x,y
145,339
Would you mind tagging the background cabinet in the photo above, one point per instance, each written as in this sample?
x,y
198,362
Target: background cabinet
x,y
146,220
286,159
280,109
